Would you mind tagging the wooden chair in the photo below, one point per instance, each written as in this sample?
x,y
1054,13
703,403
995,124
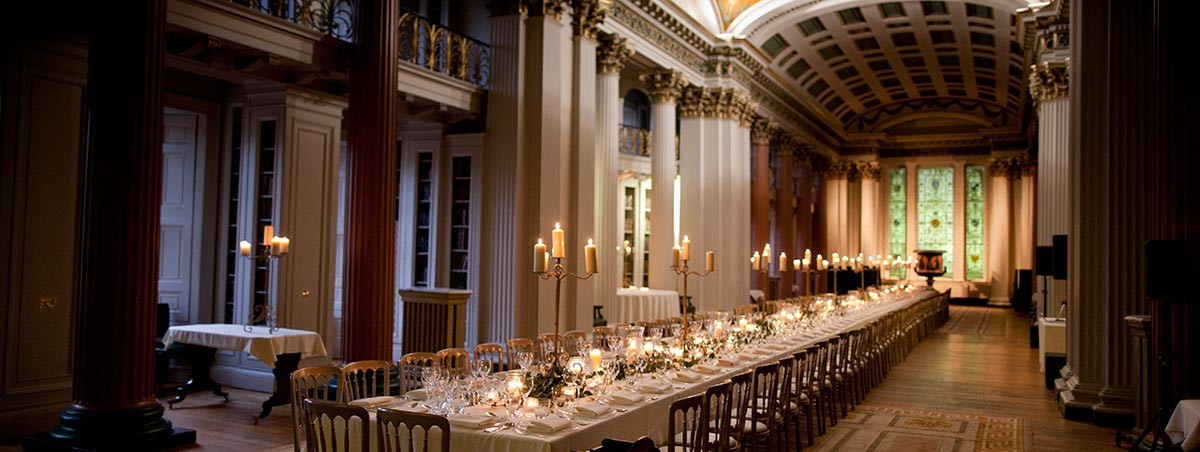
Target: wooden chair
x,y
600,336
396,431
314,383
455,360
758,432
574,339
410,367
327,434
643,444
785,403
687,429
492,352
742,390
362,379
549,342
518,345
716,413
802,398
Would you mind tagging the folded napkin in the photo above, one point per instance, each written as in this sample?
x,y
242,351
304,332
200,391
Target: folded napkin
x,y
655,387
471,421
592,409
374,402
728,361
687,377
418,394
550,424
627,398
410,407
477,410
706,369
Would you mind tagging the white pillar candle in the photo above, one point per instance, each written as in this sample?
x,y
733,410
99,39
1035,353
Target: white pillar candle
x,y
589,257
807,254
796,264
710,261
558,242
675,251
539,257
268,233
767,254
245,247
756,261
783,261
284,245
685,252
275,245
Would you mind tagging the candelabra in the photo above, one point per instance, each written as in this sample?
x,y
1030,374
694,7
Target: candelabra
x,y
266,253
558,273
685,271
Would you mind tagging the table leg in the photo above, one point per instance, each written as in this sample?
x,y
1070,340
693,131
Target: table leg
x,y
201,359
285,364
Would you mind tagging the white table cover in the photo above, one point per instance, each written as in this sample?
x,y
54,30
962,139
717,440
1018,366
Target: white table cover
x,y
649,417
1184,426
259,342
637,305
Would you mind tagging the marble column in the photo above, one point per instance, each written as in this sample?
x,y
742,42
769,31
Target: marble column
x,y
785,211
611,56
869,211
113,373
806,188
1048,86
370,229
760,189
507,175
998,231
1024,203
666,86
590,171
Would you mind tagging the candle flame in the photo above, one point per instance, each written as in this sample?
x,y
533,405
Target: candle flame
x,y
539,240
556,225
590,242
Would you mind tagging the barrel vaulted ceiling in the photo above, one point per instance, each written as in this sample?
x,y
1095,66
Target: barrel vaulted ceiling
x,y
887,68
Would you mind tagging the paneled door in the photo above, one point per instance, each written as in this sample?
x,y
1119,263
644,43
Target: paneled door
x,y
177,248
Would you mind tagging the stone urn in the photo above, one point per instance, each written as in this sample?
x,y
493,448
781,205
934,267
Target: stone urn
x,y
929,265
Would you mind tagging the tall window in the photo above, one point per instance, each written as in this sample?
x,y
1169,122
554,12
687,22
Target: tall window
x,y
898,214
974,217
935,213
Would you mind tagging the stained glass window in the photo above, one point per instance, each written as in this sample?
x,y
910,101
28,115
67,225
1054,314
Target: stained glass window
x,y
974,219
898,215
935,213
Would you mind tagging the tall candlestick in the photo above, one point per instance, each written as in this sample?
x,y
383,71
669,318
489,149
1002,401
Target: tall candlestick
x,y
268,233
710,261
558,242
245,247
685,252
539,257
675,255
589,257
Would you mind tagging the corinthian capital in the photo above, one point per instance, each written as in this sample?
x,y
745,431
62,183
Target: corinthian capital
x,y
588,14
666,85
612,53
1049,81
749,107
763,130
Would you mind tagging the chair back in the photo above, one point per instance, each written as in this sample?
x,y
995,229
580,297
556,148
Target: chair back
x,y
687,430
311,383
410,367
766,390
397,431
718,406
742,390
493,353
549,343
457,361
518,345
787,376
332,426
643,444
802,363
362,379
600,336
576,342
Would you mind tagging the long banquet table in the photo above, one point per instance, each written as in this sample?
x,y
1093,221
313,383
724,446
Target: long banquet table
x,y
649,417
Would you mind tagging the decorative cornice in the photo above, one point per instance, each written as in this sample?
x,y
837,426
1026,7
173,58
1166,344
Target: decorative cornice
x,y
549,8
612,53
587,15
660,39
763,130
666,85
1049,81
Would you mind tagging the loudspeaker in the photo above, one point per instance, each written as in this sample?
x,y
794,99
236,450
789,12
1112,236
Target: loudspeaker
x,y
1060,257
1165,271
1044,261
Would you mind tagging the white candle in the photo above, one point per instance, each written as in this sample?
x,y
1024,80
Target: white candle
x,y
245,247
783,262
268,233
806,263
710,261
275,246
284,244
558,242
756,262
807,255
596,356
767,254
589,257
685,252
796,264
824,265
539,257
675,251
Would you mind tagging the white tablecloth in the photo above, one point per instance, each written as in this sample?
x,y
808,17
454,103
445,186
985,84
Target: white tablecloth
x,y
1184,426
259,342
1052,338
636,305
649,417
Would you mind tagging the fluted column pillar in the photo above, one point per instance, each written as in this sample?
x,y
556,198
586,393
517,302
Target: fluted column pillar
x,y
666,86
611,56
785,211
370,230
113,389
998,231
806,188
760,189
1048,86
589,172
869,238
1024,203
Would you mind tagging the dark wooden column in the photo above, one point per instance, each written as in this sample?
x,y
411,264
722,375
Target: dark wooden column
x,y
785,196
804,214
370,274
113,381
760,190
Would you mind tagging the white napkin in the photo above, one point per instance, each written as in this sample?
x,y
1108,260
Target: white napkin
x,y
592,409
729,361
418,394
687,377
655,387
471,421
707,369
374,402
477,410
627,398
550,424
409,407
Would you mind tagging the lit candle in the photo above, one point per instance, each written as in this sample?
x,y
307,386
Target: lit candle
x,y
531,402
824,265
268,233
710,261
685,252
767,254
596,356
539,257
675,250
807,254
558,242
275,245
284,244
755,261
796,264
783,262
589,257
806,262
245,247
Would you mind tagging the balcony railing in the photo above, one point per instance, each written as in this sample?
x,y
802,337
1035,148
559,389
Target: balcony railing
x,y
633,140
440,49
332,17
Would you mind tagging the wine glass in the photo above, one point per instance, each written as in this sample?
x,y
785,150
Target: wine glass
x,y
676,329
656,333
482,368
524,360
614,343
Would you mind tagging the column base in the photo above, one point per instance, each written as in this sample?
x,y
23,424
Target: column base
x,y
141,428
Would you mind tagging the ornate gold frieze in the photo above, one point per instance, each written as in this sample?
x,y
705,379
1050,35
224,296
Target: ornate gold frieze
x,y
1049,81
587,15
612,53
666,85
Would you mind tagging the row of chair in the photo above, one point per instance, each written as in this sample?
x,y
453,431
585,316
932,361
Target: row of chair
x,y
328,427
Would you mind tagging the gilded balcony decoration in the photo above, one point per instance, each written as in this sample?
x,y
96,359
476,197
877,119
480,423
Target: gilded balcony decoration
x,y
332,17
440,49
634,141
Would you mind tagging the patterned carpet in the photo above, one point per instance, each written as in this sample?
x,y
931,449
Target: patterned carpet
x,y
975,320
882,429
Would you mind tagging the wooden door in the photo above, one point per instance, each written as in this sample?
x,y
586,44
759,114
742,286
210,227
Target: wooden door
x,y
177,282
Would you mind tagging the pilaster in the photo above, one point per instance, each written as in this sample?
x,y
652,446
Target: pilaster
x,y
869,218
998,232
589,170
611,56
666,86
760,188
785,212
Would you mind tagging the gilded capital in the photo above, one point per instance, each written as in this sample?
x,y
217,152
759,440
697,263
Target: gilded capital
x,y
749,107
666,85
841,169
1049,81
612,53
868,170
587,14
763,131
693,102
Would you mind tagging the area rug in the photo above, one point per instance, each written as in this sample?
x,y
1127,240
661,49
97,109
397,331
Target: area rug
x,y
882,429
975,320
